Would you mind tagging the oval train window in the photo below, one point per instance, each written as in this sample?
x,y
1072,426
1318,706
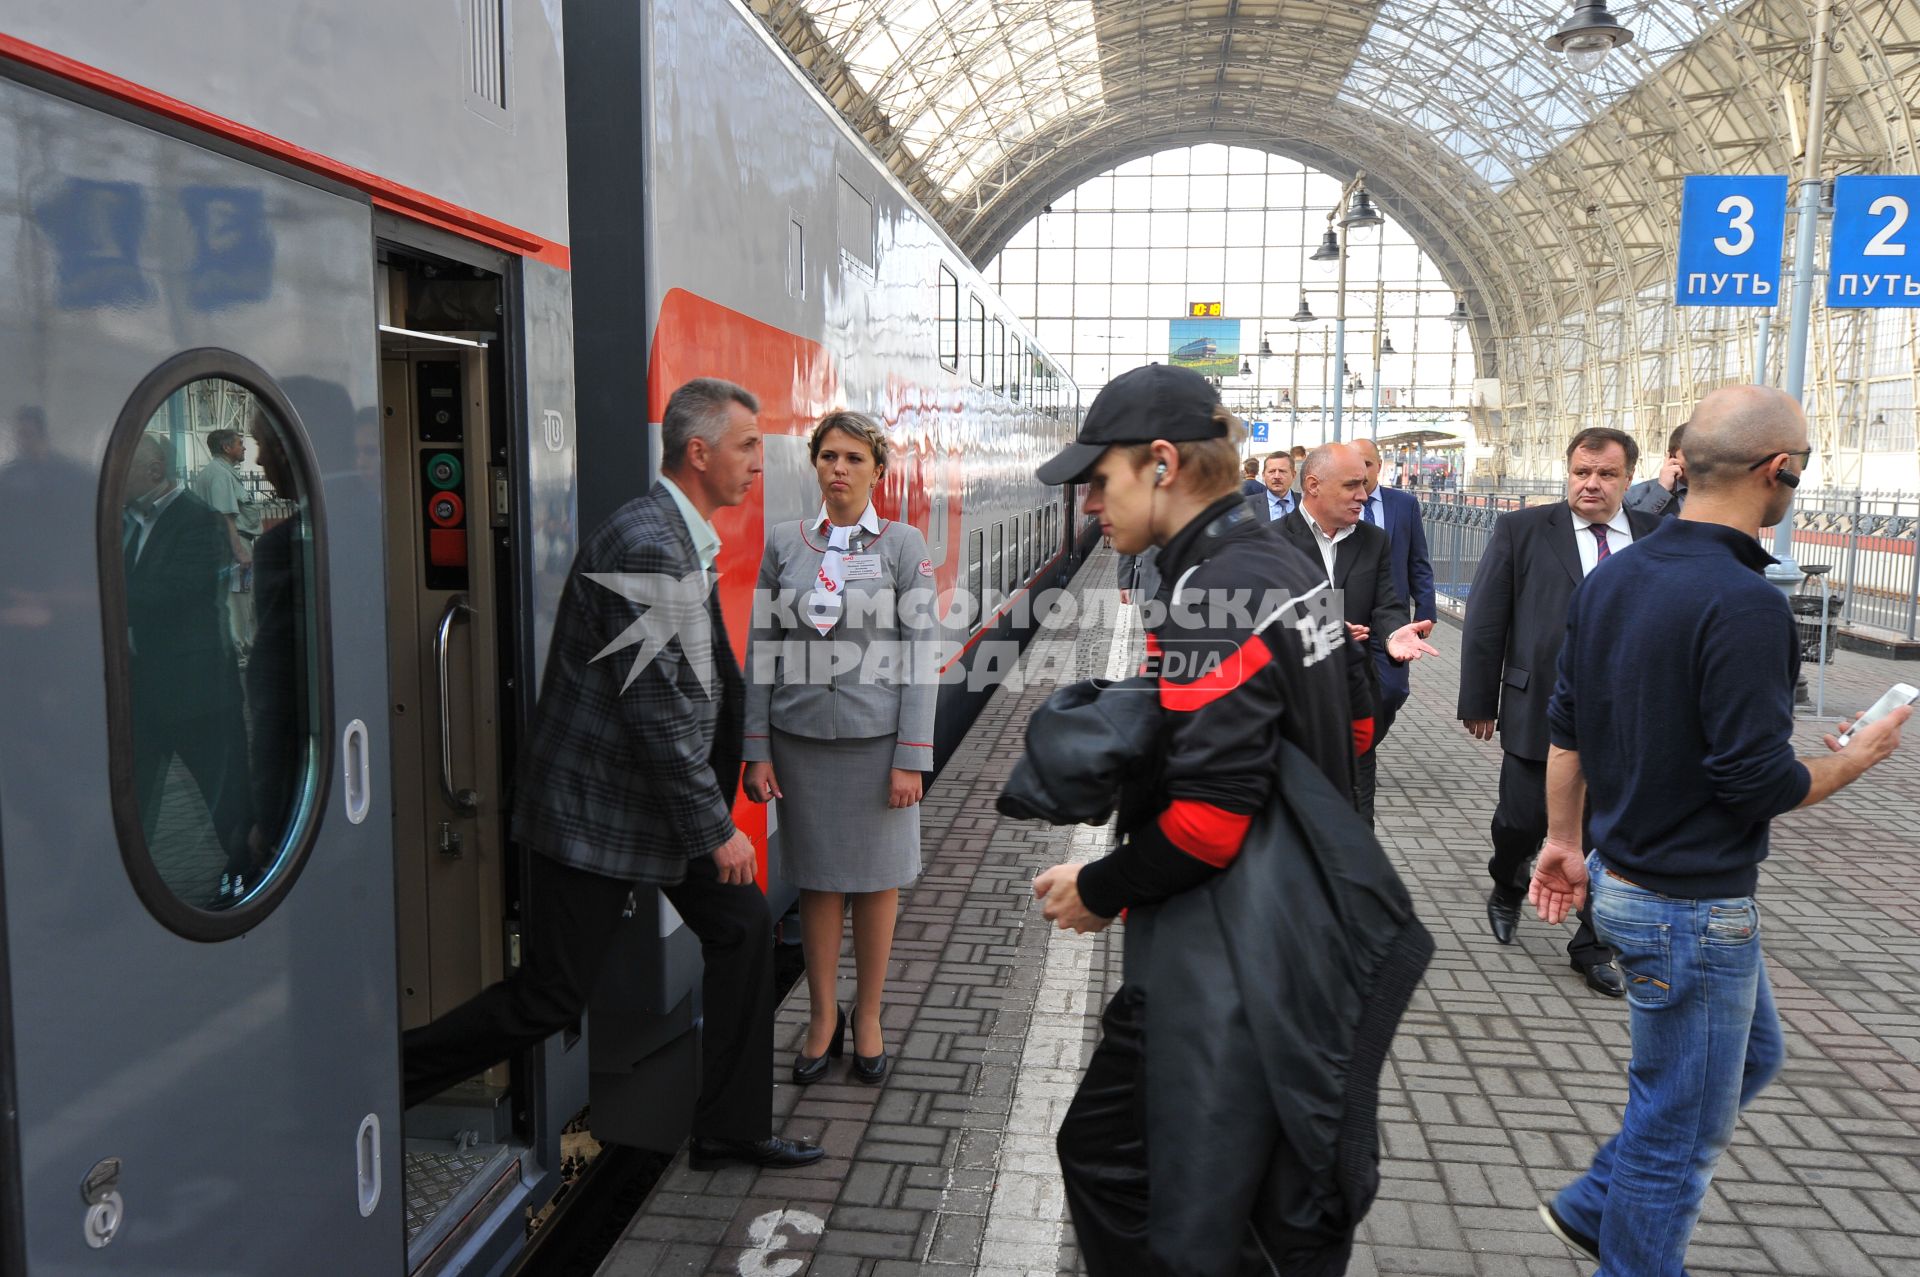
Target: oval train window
x,y
218,699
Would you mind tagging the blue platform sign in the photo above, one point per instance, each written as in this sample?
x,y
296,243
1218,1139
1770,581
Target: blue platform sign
x,y
1731,233
1873,258
1259,429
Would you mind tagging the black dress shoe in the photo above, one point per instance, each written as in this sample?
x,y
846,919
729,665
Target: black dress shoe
x,y
707,1154
1602,977
808,1069
1568,1233
1503,915
870,1069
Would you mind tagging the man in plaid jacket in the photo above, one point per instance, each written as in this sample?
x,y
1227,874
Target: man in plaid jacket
x,y
628,778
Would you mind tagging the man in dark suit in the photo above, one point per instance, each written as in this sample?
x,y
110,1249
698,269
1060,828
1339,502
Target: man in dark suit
x,y
1275,499
1666,493
1354,558
628,777
186,684
1398,514
1516,620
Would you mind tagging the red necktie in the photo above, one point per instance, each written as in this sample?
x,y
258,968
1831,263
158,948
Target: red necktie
x,y
1599,531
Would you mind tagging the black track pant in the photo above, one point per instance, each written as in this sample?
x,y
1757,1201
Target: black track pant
x,y
571,917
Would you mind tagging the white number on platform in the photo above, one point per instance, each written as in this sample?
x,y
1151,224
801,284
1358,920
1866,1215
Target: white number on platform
x,y
1742,225
767,1241
1880,245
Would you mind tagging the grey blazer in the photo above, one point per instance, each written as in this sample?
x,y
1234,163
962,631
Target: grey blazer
x,y
884,680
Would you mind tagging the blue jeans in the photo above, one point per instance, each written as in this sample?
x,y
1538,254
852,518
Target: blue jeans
x,y
1706,1040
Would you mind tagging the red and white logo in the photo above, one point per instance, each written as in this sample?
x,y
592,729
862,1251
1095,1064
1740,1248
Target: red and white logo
x,y
926,567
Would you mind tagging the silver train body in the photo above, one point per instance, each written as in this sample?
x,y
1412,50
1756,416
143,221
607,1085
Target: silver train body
x,y
442,264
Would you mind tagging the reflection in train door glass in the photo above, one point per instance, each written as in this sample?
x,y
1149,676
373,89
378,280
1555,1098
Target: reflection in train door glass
x,y
221,704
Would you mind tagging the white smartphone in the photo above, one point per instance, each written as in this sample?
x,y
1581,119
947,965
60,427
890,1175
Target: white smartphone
x,y
1896,696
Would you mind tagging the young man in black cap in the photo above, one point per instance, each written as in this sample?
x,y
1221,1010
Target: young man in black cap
x,y
1159,456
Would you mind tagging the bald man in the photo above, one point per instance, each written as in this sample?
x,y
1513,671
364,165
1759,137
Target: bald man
x,y
1397,514
1354,557
1672,720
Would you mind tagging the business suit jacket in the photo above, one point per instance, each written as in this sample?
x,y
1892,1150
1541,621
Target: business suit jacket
x,y
890,691
182,666
625,772
1412,578
1262,507
1364,575
1517,619
1652,497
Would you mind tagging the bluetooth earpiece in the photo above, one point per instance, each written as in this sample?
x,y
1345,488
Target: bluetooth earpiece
x,y
1787,477
1160,475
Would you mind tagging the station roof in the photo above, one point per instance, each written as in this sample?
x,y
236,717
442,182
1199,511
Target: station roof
x,y
1548,197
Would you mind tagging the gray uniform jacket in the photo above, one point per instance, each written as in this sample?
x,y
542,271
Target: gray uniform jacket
x,y
875,673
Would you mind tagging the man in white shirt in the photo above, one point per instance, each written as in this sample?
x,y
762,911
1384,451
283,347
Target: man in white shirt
x,y
1354,557
1516,620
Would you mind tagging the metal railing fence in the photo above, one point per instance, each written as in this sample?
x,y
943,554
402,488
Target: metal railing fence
x,y
1870,541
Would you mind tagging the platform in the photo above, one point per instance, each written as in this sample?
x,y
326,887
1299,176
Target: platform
x,y
1506,1075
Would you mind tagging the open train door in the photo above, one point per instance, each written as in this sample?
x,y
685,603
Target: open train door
x,y
195,848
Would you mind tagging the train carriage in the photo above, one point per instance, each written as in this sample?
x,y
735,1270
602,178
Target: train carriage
x,y
253,779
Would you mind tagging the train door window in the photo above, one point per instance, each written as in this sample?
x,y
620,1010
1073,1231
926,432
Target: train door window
x,y
976,573
949,287
854,212
997,351
213,571
1026,540
977,348
996,562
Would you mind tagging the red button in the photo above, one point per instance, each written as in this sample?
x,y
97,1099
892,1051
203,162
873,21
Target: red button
x,y
446,509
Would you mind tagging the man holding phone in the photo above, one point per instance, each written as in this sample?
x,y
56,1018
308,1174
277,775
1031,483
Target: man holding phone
x,y
1672,717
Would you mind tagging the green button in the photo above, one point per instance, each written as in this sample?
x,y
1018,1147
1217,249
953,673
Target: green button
x,y
443,470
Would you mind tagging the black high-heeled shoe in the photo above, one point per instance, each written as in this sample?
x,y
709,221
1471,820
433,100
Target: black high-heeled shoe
x,y
808,1069
869,1068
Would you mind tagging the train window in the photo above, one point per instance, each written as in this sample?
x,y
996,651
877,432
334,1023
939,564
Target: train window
x,y
1033,564
996,565
997,350
212,559
976,573
949,320
978,347
854,212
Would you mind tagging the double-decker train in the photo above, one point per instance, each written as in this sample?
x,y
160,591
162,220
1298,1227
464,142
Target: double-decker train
x,y
436,270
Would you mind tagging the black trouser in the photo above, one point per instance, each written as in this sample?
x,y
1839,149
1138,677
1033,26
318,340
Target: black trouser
x,y
571,916
1103,1151
1386,712
1365,781
213,748
1519,827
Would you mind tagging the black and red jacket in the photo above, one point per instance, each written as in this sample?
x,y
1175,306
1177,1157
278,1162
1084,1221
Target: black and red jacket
x,y
1249,648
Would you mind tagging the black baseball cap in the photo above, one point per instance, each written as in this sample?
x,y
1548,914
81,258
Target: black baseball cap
x,y
1155,402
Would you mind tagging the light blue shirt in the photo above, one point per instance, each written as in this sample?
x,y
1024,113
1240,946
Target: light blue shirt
x,y
706,542
1279,507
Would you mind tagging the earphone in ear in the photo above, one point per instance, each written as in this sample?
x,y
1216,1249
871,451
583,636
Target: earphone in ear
x,y
1160,475
1789,478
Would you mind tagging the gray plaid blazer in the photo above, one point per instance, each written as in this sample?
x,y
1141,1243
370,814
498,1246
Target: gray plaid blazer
x,y
626,772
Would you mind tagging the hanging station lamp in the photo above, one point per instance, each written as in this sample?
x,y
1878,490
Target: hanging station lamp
x,y
1589,36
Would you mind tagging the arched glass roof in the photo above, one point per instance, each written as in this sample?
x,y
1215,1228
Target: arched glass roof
x,y
965,82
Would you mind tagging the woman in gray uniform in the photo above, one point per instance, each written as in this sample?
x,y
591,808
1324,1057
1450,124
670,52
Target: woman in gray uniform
x,y
839,725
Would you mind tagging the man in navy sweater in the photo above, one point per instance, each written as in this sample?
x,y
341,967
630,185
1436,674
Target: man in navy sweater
x,y
1673,715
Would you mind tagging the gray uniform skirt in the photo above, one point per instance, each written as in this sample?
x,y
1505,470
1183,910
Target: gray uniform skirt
x,y
836,831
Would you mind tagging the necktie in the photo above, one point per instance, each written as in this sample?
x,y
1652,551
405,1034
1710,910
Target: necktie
x,y
1599,531
1366,512
825,604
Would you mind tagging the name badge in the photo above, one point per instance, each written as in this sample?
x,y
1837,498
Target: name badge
x,y
863,567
